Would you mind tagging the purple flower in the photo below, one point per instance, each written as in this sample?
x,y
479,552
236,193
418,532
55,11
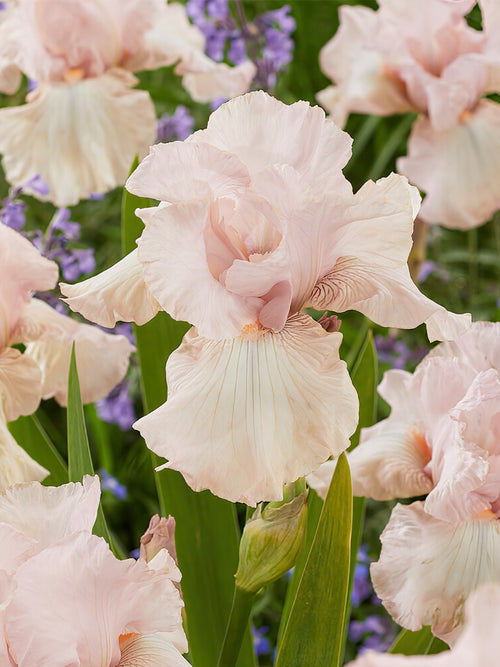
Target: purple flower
x,y
429,267
110,483
261,644
13,213
117,407
36,183
61,223
175,127
396,353
75,263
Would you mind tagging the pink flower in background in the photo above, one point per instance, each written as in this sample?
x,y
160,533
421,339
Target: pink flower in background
x,y
441,439
102,610
260,223
478,646
41,371
420,55
84,122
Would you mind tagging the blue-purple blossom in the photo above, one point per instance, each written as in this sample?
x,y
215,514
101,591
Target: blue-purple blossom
x,y
261,643
375,632
266,41
175,127
117,408
110,483
429,267
13,213
395,352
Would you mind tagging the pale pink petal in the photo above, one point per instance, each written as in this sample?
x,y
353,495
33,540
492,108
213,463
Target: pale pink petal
x,y
246,415
320,479
181,171
173,252
428,567
15,464
479,346
366,268
47,514
79,137
372,659
151,650
349,59
117,294
20,384
206,80
94,598
459,169
257,128
392,464
22,270
16,548
102,359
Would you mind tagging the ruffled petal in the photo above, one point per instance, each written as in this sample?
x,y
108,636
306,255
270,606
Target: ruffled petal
x,y
172,250
16,465
94,598
153,650
206,80
350,60
246,415
180,171
22,270
477,347
367,269
392,464
102,359
459,169
20,384
80,138
428,567
257,128
46,514
117,294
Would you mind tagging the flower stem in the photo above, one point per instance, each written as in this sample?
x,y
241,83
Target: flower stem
x,y
237,624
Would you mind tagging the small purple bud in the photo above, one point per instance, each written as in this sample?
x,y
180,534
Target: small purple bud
x,y
37,185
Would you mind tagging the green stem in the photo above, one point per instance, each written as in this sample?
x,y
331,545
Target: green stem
x,y
236,627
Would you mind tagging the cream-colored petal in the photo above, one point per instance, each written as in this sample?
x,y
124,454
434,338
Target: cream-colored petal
x,y
180,171
16,465
320,479
246,415
206,80
477,347
366,269
47,514
22,270
117,294
459,169
80,137
102,359
392,464
153,650
20,384
428,567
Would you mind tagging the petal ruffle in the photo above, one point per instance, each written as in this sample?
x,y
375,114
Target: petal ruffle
x,y
246,415
428,567
102,359
257,128
117,294
80,138
459,168
94,598
180,171
367,268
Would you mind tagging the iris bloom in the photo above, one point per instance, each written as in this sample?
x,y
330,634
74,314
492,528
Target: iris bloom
x,y
102,611
41,371
84,122
257,222
478,645
441,440
420,55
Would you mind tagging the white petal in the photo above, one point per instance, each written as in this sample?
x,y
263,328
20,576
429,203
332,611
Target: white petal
x,y
205,80
246,415
101,359
20,384
117,294
459,168
428,567
15,464
81,138
154,650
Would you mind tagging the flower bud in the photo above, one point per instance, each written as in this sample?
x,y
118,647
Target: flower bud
x,y
271,542
159,535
